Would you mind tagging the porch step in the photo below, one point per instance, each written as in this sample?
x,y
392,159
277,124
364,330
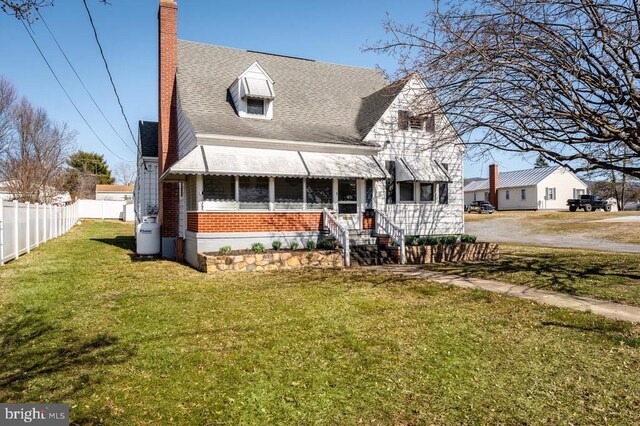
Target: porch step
x,y
371,254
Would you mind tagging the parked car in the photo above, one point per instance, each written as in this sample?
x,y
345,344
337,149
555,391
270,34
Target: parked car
x,y
588,203
480,207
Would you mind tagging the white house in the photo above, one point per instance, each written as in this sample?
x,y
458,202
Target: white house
x,y
544,188
114,192
146,187
257,147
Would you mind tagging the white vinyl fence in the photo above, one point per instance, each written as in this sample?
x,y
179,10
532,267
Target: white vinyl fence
x,y
104,209
24,226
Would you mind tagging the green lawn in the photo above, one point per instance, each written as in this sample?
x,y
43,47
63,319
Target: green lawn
x,y
129,342
602,275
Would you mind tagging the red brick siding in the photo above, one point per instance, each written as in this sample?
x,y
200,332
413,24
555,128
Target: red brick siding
x,y
168,196
253,221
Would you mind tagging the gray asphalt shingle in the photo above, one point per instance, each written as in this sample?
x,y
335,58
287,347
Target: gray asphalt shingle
x,y
315,101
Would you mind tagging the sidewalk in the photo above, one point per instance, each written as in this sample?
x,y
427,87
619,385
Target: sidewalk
x,y
607,309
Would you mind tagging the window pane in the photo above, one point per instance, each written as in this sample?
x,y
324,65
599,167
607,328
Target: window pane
x,y
426,192
369,193
319,193
288,190
347,208
288,193
443,190
391,183
347,190
254,193
219,188
406,191
255,106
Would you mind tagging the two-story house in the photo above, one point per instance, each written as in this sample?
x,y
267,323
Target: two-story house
x,y
257,147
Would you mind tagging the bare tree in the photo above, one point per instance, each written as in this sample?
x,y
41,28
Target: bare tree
x,y
125,173
7,100
556,77
33,165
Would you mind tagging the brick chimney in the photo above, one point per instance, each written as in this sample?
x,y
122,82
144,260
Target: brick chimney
x,y
168,192
493,185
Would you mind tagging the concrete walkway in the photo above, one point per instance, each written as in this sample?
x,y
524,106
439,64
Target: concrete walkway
x,y
607,309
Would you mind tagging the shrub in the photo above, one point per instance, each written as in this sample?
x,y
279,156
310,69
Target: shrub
x,y
449,239
326,244
225,249
430,241
258,247
277,245
294,245
311,245
466,238
411,240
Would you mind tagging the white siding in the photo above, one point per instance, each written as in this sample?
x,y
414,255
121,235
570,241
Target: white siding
x,y
565,183
442,146
515,201
146,193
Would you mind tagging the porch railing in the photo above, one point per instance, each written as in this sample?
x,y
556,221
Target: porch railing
x,y
339,232
394,231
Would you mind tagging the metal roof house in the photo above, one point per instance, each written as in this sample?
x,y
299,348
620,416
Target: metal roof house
x,y
543,188
257,147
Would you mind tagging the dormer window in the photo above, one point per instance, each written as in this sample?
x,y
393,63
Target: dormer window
x,y
253,94
255,106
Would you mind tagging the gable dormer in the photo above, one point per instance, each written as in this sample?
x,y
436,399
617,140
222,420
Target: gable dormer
x,y
253,93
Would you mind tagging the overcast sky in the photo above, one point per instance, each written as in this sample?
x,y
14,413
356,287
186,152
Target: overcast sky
x,y
330,31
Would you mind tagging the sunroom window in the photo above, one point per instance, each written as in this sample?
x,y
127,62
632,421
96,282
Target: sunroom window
x,y
219,188
319,193
253,192
288,193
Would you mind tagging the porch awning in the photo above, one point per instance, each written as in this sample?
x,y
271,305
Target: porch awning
x,y
232,161
420,170
323,165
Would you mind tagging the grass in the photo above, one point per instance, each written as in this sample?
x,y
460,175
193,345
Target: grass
x,y
601,275
130,342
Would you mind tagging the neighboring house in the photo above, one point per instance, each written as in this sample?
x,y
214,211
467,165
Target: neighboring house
x,y
48,195
114,192
146,186
5,192
544,188
257,147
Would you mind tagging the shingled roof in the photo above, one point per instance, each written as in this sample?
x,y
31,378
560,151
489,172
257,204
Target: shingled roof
x,y
148,138
315,101
517,178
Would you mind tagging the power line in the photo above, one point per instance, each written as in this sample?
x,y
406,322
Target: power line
x,y
67,93
106,65
82,82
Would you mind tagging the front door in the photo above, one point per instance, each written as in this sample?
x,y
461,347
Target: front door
x,y
348,203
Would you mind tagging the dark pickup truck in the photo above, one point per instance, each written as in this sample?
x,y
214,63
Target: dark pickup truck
x,y
588,203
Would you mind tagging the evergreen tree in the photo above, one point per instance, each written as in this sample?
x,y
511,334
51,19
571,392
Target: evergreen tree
x,y
91,163
541,162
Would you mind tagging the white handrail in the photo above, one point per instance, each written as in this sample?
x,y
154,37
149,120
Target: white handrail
x,y
338,232
394,231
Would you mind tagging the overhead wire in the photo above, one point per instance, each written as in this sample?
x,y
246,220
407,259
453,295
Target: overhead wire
x,y
67,93
82,82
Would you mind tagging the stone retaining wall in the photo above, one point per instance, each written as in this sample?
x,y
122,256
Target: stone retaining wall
x,y
452,253
270,261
